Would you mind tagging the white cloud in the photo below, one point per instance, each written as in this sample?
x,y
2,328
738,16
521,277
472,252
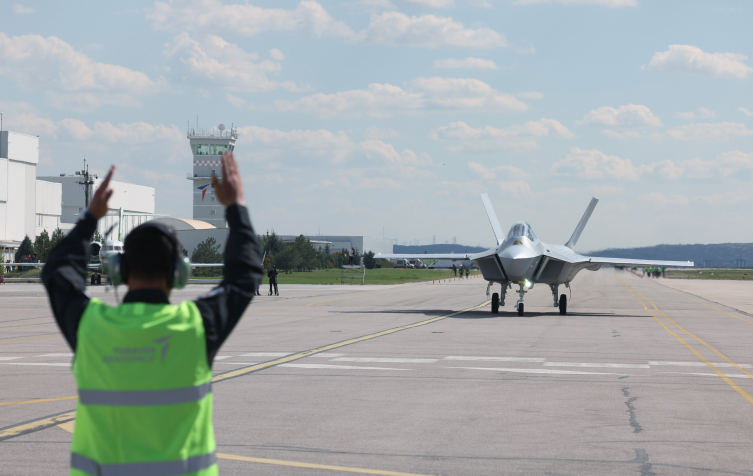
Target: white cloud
x,y
244,19
523,137
745,111
433,3
380,183
379,133
390,28
628,121
422,94
518,189
627,116
663,201
217,62
428,31
18,8
605,3
594,164
687,59
379,149
531,95
702,113
468,63
298,147
276,54
71,79
134,133
235,101
720,131
733,164
490,173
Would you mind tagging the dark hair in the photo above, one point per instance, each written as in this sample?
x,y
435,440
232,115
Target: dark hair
x,y
149,253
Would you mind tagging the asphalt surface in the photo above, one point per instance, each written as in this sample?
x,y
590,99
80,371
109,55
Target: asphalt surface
x,y
612,388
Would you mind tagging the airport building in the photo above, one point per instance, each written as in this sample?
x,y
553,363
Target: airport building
x,y
207,146
27,205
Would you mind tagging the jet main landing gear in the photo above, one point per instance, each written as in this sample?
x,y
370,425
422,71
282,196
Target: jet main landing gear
x,y
563,304
495,303
520,309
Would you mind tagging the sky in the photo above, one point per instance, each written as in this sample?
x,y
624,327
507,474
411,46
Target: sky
x,y
390,117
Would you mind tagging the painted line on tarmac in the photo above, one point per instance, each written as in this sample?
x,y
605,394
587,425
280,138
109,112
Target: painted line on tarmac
x,y
39,400
337,345
733,364
683,294
314,466
703,359
26,339
36,425
51,420
538,371
69,427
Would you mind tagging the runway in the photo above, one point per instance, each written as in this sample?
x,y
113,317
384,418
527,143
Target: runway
x,y
638,379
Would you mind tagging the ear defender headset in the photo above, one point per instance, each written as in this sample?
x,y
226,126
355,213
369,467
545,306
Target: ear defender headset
x,y
116,267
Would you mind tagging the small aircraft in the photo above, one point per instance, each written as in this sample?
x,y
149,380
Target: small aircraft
x,y
521,258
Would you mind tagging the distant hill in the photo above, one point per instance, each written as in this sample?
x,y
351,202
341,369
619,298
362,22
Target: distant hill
x,y
457,249
721,255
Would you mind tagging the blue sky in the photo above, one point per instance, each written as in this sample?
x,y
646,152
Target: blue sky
x,y
376,116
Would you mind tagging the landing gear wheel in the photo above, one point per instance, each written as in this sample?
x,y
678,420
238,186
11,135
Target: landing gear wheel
x,y
563,304
495,303
99,279
93,280
520,309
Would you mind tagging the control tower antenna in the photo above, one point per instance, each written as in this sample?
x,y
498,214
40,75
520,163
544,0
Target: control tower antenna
x,y
87,183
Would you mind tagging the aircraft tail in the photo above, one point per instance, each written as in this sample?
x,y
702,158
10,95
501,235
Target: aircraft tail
x,y
496,227
582,223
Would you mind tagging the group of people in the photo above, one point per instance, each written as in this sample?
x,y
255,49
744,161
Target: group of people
x,y
461,269
654,272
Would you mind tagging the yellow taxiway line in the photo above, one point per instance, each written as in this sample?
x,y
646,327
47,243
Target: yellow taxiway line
x,y
46,422
701,302
703,359
69,427
39,400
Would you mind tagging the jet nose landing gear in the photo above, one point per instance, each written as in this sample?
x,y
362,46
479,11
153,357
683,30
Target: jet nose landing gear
x,y
524,287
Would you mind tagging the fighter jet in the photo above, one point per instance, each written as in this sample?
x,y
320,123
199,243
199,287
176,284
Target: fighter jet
x,y
521,258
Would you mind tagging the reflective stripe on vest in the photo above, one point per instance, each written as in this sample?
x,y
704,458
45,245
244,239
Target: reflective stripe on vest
x,y
171,396
156,468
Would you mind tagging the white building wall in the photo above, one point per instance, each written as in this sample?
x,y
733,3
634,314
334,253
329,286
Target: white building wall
x,y
133,198
19,155
48,206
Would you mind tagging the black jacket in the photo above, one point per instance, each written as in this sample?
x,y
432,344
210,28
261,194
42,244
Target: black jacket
x,y
64,276
272,275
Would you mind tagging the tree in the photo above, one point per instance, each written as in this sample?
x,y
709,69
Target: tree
x,y
208,251
26,248
288,259
56,237
369,261
98,237
42,246
308,256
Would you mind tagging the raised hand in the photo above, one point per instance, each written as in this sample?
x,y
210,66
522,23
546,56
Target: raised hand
x,y
98,205
230,190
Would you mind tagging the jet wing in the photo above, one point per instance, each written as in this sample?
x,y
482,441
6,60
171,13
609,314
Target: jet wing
x,y
443,256
564,253
640,262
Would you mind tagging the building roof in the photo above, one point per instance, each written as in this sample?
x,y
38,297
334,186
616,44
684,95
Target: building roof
x,y
180,224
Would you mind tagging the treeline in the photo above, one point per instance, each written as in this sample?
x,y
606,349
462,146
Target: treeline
x,y
300,255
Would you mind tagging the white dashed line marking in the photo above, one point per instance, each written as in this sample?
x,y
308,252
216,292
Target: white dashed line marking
x,y
495,359
597,365
385,359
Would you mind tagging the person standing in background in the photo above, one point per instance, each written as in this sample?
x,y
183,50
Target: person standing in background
x,y
272,275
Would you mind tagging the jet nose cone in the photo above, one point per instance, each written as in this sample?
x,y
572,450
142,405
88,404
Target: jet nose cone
x,y
519,262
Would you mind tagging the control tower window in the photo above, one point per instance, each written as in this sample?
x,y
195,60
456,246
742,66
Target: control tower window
x,y
218,149
202,149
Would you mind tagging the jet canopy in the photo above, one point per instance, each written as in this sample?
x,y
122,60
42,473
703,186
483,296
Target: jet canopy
x,y
522,228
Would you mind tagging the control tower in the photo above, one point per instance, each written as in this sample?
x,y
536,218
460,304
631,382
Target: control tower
x,y
207,146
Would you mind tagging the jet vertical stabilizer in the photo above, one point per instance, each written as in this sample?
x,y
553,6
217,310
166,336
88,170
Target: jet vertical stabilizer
x,y
582,224
498,231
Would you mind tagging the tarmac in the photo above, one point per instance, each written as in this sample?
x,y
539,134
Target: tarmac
x,y
421,379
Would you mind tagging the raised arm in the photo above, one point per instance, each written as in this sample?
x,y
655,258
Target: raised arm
x,y
222,308
64,274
